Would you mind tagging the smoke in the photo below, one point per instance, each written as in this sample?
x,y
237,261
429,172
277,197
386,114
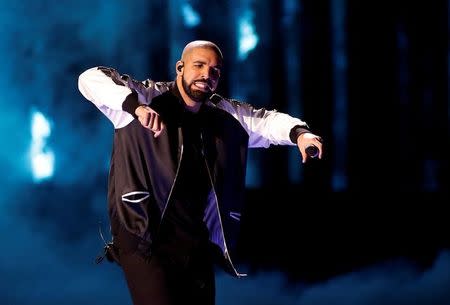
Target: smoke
x,y
392,283
39,270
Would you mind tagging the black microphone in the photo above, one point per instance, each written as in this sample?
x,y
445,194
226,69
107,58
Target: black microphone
x,y
312,151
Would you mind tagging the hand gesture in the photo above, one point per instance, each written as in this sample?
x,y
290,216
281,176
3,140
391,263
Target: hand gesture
x,y
150,119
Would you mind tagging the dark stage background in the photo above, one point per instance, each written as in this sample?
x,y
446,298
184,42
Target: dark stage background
x,y
368,224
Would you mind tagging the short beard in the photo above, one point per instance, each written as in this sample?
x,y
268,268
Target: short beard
x,y
196,95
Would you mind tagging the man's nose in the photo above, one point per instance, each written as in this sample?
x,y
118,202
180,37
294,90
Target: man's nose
x,y
206,73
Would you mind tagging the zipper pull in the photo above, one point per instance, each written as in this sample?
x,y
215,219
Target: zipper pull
x,y
202,146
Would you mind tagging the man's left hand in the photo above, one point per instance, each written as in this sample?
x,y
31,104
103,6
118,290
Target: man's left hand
x,y
308,139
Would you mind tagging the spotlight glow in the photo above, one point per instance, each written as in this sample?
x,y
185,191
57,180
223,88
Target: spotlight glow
x,y
190,16
248,38
42,158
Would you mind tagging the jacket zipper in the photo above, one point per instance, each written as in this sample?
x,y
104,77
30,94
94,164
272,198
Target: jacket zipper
x,y
227,255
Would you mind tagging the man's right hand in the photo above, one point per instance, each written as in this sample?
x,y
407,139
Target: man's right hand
x,y
150,119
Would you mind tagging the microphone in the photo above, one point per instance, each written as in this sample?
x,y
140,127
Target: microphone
x,y
312,151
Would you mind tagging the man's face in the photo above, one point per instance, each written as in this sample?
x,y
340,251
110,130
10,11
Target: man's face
x,y
201,73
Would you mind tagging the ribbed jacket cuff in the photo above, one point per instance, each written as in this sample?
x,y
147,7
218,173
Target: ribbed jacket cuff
x,y
296,131
131,103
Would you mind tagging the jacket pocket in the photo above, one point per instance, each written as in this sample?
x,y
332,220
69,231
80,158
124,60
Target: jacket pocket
x,y
135,197
134,212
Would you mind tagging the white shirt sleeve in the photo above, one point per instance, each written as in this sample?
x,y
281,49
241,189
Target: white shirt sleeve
x,y
107,90
101,90
264,127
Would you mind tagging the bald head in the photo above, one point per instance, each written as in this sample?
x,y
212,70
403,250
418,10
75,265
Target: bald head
x,y
202,44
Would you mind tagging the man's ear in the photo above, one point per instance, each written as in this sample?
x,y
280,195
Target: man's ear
x,y
179,66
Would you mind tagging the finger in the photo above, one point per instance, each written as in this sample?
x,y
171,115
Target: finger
x,y
319,146
144,120
152,119
304,156
161,128
156,123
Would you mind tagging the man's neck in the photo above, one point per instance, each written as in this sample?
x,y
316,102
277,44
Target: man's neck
x,y
190,105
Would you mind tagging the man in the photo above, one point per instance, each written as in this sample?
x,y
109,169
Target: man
x,y
177,173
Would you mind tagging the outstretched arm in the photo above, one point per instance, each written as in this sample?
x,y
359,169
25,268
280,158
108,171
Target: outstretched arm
x,y
270,127
120,97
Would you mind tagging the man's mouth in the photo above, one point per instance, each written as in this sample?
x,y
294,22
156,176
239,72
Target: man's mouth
x,y
202,85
